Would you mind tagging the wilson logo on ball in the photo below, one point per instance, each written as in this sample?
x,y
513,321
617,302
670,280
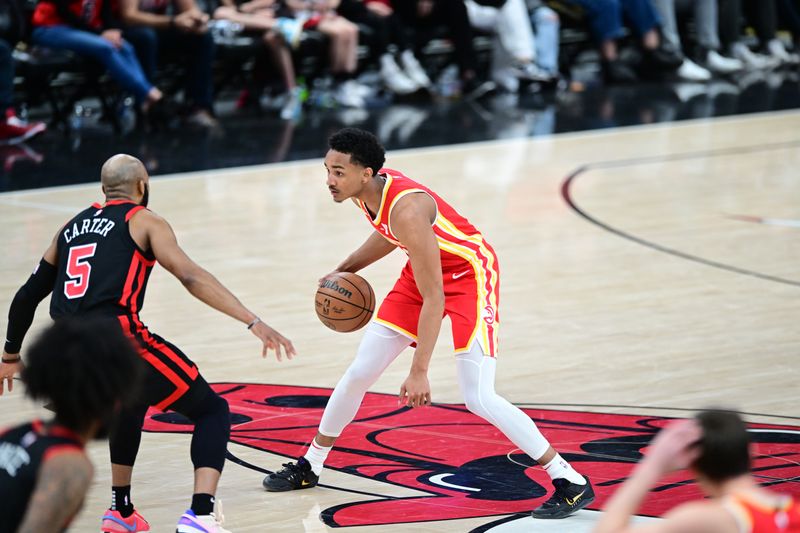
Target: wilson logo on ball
x,y
332,285
344,301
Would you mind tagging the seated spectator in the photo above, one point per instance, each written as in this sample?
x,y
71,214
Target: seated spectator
x,y
705,22
762,15
389,32
12,129
322,16
184,37
546,27
85,370
514,47
715,447
730,31
789,17
86,27
427,17
605,21
279,35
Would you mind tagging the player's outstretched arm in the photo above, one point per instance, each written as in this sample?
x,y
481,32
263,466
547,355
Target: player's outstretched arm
x,y
60,488
21,313
201,284
672,449
374,248
411,223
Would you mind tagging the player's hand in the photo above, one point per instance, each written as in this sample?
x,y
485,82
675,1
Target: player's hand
x,y
8,371
675,446
331,273
273,341
415,390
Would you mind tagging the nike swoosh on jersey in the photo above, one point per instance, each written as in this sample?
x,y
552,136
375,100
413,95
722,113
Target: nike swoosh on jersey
x,y
460,274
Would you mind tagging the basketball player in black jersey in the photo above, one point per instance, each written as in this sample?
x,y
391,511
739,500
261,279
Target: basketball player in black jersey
x,y
84,369
99,262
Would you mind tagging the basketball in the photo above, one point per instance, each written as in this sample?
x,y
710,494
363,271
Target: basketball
x,y
344,301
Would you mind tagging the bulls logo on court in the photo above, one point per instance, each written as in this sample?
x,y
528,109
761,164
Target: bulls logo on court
x,y
463,465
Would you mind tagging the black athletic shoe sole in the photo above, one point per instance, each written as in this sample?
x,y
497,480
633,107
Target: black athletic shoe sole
x,y
564,512
279,485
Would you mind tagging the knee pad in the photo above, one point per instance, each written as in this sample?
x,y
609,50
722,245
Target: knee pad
x,y
211,407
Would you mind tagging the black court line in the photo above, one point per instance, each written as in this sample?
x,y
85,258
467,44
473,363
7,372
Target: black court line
x,y
657,408
566,194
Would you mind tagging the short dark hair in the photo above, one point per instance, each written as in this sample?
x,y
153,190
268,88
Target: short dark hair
x,y
85,367
363,147
724,447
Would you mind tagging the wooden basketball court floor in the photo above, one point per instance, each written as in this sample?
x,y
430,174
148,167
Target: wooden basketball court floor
x,y
647,271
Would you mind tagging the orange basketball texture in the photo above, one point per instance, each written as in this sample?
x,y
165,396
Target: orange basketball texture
x,y
344,301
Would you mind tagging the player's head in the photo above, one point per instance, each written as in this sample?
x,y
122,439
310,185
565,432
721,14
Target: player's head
x,y
354,158
124,176
86,368
724,446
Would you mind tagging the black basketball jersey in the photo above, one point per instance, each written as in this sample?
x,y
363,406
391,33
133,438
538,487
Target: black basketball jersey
x,y
100,267
23,450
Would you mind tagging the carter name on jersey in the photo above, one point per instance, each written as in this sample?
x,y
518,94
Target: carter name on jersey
x,y
100,226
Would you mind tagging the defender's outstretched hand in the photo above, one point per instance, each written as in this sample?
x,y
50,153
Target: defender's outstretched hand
x,y
9,370
273,341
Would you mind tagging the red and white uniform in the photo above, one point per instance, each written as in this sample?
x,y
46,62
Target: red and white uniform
x,y
755,516
470,272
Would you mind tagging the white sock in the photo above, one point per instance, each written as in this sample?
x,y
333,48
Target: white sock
x,y
316,456
559,468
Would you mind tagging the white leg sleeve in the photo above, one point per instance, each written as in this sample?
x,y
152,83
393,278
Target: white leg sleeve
x,y
476,378
379,347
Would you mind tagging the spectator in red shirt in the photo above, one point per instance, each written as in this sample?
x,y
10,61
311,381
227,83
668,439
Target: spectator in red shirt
x,y
87,28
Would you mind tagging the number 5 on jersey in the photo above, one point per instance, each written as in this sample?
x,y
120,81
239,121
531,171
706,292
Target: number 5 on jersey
x,y
78,270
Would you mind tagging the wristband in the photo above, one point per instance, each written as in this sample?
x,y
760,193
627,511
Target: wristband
x,y
11,361
253,323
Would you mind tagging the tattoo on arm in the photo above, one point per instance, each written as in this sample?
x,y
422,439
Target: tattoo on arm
x,y
59,493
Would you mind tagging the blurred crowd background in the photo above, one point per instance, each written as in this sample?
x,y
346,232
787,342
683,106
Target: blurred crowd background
x,y
240,79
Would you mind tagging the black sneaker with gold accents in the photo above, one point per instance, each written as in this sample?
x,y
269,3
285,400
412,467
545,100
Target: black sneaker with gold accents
x,y
293,476
567,498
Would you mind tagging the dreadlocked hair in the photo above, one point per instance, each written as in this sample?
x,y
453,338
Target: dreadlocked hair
x,y
86,368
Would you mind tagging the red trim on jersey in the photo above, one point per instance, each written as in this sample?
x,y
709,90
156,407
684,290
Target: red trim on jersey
x,y
130,297
133,212
61,449
119,202
128,288
140,282
180,386
61,431
97,205
766,518
179,361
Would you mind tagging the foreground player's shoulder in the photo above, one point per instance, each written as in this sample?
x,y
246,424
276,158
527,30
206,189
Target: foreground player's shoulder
x,y
145,217
412,210
701,517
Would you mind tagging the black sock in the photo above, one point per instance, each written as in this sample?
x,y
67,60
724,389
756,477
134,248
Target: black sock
x,y
121,500
202,504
